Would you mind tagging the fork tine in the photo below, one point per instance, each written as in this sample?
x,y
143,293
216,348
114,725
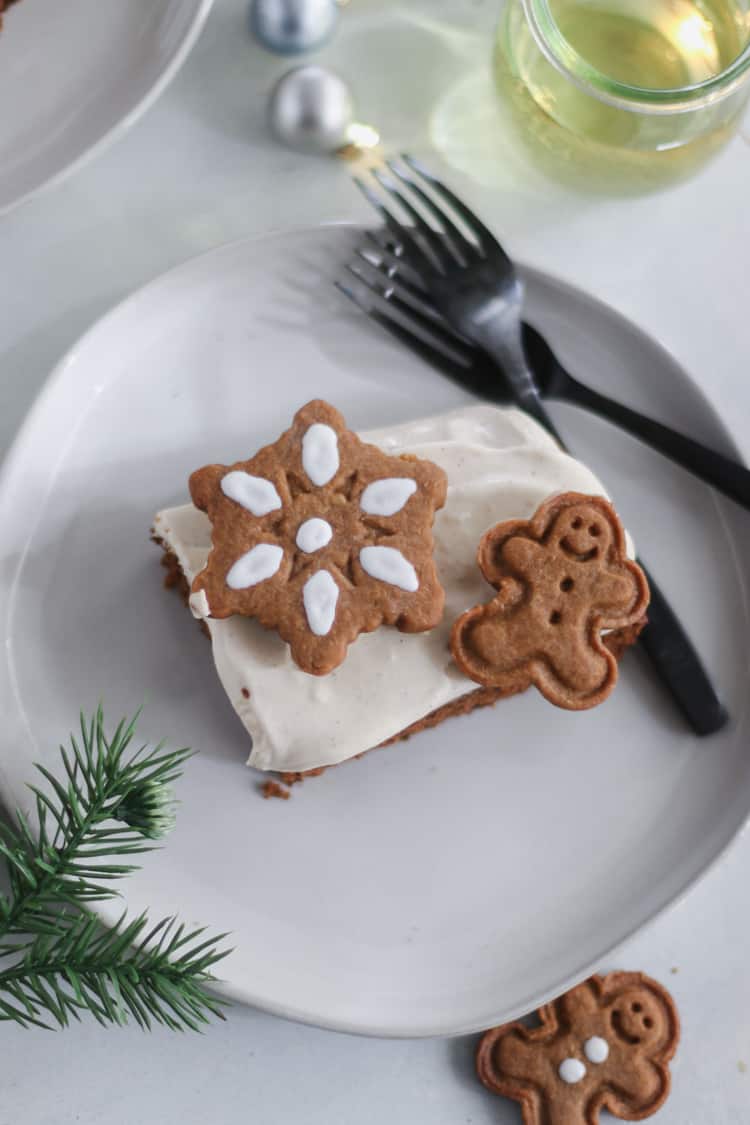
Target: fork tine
x,y
460,242
393,260
484,236
404,288
401,231
445,258
384,294
434,356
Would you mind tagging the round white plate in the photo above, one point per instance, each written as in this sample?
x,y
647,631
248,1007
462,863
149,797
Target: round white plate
x,y
435,887
74,75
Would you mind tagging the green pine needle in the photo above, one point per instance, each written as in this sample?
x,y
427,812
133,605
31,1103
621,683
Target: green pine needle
x,y
112,803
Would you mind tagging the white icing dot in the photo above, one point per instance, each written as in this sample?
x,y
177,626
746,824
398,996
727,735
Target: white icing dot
x,y
199,606
313,535
259,496
389,565
256,566
386,497
571,1071
320,453
320,595
596,1049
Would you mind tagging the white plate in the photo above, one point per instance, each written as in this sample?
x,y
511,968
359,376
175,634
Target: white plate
x,y
432,888
77,74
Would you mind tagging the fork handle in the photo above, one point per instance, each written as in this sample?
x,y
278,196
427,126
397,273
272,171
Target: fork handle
x,y
672,654
671,650
501,340
724,474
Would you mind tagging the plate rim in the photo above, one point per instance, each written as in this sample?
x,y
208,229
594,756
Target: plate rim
x,y
121,126
108,910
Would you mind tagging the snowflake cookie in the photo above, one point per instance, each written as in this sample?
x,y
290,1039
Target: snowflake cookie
x,y
321,537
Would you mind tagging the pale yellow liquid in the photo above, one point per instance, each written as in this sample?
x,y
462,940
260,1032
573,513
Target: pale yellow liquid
x,y
652,44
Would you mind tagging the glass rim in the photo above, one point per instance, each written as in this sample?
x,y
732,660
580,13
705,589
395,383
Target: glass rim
x,y
682,99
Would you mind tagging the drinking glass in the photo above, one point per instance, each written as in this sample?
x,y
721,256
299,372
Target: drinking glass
x,y
624,93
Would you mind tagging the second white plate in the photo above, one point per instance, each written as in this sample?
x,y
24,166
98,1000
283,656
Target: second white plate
x,y
432,888
77,74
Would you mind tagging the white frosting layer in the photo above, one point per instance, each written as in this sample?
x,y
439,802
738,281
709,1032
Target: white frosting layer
x,y
500,465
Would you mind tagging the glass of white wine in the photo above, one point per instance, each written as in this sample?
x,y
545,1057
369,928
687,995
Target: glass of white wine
x,y
624,94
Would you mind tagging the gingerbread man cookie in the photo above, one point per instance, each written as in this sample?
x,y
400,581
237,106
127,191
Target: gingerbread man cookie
x,y
321,537
563,579
604,1045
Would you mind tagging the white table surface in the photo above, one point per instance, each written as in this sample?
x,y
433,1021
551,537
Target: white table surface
x,y
199,170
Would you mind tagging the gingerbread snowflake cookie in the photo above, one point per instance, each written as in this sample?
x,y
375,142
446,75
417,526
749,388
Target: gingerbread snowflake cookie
x,y
604,1045
321,537
563,579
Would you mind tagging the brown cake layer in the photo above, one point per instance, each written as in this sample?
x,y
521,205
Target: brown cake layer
x,y
617,642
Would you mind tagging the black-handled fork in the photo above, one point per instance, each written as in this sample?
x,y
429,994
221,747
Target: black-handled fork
x,y
473,285
551,379
382,272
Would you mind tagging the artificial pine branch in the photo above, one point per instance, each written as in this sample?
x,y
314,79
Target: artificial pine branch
x,y
109,805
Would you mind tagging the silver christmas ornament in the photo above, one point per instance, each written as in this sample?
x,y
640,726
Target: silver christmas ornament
x,y
291,26
311,109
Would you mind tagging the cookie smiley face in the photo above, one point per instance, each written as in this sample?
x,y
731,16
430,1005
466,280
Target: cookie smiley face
x,y
563,580
606,1044
581,534
640,1016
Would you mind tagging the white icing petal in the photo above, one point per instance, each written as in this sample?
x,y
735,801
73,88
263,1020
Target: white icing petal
x,y
320,453
259,496
571,1071
386,497
596,1049
320,595
199,606
389,565
313,535
256,566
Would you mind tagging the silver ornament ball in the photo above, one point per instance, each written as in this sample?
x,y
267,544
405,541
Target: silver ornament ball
x,y
291,26
311,109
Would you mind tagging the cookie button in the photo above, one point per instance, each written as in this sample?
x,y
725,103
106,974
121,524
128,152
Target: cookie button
x,y
571,1071
596,1049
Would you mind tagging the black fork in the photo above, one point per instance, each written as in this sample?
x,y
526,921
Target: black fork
x,y
469,281
394,297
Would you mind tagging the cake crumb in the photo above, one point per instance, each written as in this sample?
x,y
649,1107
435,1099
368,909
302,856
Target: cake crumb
x,y
674,970
294,777
742,1067
245,693
273,789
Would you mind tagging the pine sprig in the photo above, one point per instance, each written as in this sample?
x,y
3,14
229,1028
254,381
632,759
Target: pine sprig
x,y
111,804
114,974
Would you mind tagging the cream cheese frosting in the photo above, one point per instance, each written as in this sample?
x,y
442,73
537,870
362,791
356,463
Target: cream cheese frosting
x,y
500,465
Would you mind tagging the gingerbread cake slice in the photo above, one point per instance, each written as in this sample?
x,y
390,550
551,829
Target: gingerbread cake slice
x,y
379,666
